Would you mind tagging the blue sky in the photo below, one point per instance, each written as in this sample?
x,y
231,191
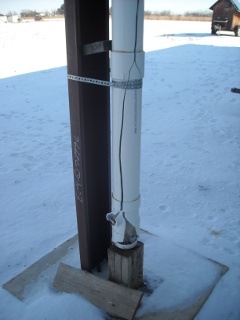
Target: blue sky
x,y
18,5
177,6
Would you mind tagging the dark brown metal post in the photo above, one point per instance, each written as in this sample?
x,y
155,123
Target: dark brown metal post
x,y
88,22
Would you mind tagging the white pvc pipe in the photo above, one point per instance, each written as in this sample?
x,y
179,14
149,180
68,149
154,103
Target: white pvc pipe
x,y
127,64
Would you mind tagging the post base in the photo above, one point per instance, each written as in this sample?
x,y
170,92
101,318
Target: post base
x,y
126,266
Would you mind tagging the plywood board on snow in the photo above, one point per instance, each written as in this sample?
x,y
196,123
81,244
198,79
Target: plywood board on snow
x,y
113,298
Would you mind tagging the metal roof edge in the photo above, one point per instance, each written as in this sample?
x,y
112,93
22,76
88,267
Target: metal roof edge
x,y
235,3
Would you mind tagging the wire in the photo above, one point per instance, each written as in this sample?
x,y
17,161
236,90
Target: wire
x,y
123,108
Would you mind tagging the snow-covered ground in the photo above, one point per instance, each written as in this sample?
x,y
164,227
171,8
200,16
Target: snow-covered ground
x,y
190,165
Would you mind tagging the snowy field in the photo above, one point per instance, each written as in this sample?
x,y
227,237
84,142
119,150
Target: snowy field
x,y
190,165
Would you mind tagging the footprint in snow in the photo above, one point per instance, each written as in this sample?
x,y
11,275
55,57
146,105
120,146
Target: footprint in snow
x,y
164,208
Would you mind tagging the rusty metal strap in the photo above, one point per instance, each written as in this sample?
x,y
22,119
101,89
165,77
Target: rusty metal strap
x,y
97,47
133,84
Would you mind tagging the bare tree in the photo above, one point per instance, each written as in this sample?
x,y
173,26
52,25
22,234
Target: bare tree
x,y
29,13
12,13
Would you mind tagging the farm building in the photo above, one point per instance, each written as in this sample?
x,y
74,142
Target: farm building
x,y
226,16
3,19
13,18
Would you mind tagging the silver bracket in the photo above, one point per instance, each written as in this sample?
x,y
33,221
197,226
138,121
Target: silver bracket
x,y
133,84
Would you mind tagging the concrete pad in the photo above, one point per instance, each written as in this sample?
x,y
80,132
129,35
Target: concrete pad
x,y
180,280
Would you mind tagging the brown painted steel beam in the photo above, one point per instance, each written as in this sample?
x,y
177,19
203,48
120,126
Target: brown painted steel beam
x,y
88,22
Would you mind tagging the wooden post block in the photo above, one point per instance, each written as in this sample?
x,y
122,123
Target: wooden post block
x,y
126,266
117,300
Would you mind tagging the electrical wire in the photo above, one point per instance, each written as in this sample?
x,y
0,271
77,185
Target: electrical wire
x,y
123,108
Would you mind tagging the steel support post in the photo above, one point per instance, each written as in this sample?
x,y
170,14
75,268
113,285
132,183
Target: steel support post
x,y
88,22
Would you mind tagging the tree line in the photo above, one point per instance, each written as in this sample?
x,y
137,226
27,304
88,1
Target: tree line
x,y
187,16
60,11
34,13
169,13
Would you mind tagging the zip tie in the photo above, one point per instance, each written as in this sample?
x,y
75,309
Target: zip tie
x,y
133,84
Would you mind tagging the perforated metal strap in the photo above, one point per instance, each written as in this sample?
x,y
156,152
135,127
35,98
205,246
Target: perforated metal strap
x,y
133,84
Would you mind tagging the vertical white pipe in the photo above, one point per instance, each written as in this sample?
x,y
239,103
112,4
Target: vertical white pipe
x,y
127,64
